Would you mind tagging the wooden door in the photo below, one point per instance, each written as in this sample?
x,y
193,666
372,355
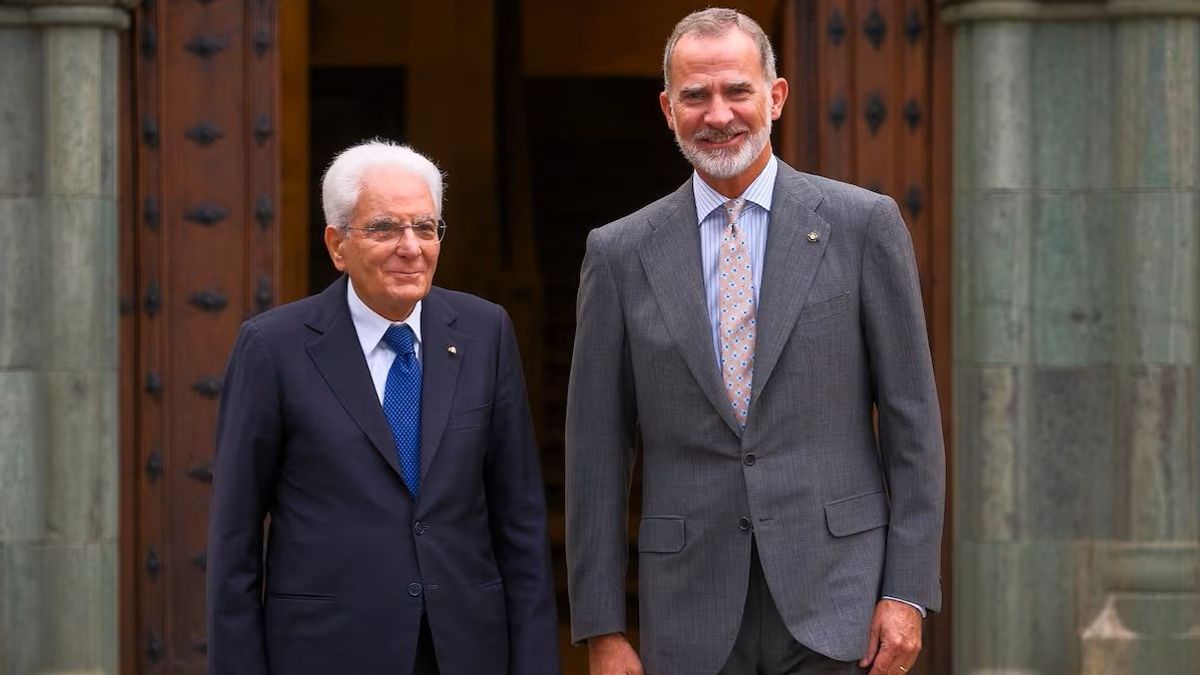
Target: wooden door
x,y
870,105
199,255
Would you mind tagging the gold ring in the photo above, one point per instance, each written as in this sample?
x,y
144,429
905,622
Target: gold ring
x,y
902,669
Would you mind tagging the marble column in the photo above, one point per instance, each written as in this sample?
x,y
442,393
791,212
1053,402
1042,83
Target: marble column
x,y
1077,480
58,336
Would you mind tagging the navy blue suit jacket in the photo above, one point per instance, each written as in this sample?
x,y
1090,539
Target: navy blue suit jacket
x,y
351,562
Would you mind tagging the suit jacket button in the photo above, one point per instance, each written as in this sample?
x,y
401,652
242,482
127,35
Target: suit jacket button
x,y
419,528
414,589
748,460
744,524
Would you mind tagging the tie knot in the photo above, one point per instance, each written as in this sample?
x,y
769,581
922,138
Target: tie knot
x,y
733,208
400,338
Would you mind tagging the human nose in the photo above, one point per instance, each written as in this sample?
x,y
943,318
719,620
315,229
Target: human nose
x,y
719,113
407,244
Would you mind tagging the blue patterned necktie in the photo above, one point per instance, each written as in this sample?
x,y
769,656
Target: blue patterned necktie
x,y
402,403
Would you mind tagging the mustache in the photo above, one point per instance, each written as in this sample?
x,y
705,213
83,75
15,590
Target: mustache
x,y
719,135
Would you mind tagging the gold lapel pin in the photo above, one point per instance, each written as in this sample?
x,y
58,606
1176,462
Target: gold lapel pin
x,y
452,350
814,237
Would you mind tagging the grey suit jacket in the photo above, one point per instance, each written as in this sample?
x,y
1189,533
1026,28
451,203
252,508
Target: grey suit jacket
x,y
840,514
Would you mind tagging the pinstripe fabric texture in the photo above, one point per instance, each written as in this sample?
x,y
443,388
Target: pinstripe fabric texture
x,y
841,511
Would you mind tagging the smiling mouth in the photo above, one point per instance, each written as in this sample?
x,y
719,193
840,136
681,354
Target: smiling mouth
x,y
722,140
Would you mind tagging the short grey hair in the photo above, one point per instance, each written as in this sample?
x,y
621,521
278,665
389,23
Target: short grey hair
x,y
343,179
715,22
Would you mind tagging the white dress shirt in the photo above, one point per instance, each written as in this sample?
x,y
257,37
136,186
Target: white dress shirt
x,y
370,327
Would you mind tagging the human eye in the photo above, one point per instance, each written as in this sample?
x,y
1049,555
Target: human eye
x,y
740,91
383,230
425,229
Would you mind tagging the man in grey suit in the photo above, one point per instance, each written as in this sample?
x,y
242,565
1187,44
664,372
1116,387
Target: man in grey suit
x,y
750,325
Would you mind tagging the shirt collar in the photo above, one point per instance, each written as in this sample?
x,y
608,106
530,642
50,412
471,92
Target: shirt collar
x,y
370,326
760,192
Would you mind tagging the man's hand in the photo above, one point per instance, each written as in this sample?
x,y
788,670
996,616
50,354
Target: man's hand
x,y
613,655
895,639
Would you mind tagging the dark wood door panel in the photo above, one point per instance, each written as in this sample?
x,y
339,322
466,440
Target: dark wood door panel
x,y
201,256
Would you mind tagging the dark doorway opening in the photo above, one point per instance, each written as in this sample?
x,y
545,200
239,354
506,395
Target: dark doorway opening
x,y
348,105
599,150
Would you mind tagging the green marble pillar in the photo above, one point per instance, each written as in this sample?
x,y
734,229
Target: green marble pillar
x,y
1077,479
58,336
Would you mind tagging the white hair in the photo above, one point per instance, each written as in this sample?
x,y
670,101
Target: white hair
x,y
343,179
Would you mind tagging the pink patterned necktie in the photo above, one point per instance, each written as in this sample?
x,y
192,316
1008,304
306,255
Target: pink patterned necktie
x,y
736,305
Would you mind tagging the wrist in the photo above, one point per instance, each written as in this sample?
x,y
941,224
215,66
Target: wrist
x,y
606,639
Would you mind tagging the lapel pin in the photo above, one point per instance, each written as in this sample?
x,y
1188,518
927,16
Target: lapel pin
x,y
813,237
452,350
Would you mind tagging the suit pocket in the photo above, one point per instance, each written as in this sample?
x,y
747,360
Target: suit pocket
x,y
312,597
857,514
306,633
821,309
471,418
661,534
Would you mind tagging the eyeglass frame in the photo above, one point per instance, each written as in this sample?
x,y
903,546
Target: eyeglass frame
x,y
397,230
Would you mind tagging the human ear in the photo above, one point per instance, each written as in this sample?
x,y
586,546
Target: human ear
x,y
779,94
664,102
333,243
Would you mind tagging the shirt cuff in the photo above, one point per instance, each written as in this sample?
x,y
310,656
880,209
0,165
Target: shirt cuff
x,y
910,604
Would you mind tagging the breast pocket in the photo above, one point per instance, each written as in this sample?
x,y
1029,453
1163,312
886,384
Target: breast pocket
x,y
823,309
471,418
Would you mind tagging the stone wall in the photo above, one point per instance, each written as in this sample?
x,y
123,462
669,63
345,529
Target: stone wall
x,y
1076,273
58,337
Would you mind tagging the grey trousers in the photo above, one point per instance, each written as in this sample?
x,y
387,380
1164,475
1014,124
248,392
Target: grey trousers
x,y
765,647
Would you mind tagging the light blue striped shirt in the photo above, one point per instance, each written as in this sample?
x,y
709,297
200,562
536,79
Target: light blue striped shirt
x,y
753,220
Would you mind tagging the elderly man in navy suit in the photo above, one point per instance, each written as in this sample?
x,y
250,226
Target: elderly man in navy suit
x,y
383,427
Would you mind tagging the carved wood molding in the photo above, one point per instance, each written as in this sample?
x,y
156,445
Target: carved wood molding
x,y
957,11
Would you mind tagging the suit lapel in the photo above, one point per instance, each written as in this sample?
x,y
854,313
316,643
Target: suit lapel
x,y
439,369
788,271
671,260
337,354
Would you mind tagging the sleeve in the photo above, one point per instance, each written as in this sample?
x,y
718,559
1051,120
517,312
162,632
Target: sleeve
x,y
600,447
247,454
517,511
910,430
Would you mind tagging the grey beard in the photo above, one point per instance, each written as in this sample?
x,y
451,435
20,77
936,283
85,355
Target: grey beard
x,y
725,164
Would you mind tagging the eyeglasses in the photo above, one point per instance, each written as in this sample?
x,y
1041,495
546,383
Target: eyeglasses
x,y
426,231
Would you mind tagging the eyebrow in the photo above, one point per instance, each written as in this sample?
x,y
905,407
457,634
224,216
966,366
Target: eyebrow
x,y
381,220
388,220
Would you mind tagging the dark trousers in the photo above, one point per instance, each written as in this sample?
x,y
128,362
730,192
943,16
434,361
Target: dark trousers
x,y
426,662
765,647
